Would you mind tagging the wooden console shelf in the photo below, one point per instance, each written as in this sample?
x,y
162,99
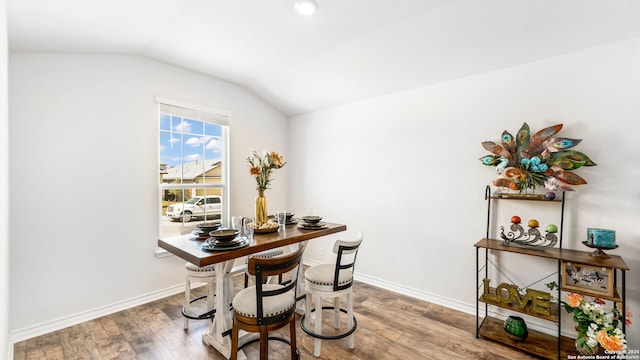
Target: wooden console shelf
x,y
566,255
538,343
574,256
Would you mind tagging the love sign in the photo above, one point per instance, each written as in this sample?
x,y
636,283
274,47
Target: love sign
x,y
537,301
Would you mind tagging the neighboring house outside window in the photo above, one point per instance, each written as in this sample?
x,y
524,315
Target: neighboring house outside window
x,y
193,150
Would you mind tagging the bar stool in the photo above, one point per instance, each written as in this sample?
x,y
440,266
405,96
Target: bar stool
x,y
265,307
332,281
195,274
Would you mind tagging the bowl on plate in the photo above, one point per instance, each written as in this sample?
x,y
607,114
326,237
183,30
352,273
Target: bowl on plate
x,y
311,219
208,227
224,234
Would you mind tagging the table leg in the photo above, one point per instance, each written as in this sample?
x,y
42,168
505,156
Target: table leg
x,y
223,320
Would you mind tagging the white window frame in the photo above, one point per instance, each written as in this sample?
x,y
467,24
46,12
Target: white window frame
x,y
211,115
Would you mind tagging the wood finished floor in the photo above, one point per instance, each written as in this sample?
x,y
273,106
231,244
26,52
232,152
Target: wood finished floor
x,y
390,326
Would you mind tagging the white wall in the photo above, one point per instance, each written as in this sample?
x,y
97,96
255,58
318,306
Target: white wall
x,y
401,167
83,161
405,169
4,187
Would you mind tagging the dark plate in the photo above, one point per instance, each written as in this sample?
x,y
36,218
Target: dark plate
x,y
209,247
229,243
320,225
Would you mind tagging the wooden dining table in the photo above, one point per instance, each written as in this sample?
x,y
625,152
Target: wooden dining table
x,y
189,249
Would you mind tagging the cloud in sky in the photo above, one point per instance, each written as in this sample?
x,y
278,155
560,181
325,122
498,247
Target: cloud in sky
x,y
183,126
214,145
193,141
197,141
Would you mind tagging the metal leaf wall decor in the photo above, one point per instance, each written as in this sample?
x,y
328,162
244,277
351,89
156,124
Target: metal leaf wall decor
x,y
543,159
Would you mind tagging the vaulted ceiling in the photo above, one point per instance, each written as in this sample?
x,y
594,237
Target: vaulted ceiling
x,y
347,51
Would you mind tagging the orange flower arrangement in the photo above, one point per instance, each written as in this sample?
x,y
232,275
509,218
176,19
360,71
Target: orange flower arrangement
x,y
261,167
596,325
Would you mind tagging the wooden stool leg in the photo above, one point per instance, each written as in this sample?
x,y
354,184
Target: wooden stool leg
x,y
234,343
264,343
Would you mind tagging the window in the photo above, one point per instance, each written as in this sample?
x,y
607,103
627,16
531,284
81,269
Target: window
x,y
193,171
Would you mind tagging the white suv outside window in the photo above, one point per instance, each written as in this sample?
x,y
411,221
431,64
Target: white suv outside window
x,y
196,207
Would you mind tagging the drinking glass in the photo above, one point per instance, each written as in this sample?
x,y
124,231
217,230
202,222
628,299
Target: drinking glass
x,y
236,223
281,218
248,228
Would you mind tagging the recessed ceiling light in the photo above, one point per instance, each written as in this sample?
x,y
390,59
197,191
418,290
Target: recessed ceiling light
x,y
306,7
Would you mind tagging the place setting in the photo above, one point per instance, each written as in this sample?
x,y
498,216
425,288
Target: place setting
x,y
311,222
201,232
229,239
225,239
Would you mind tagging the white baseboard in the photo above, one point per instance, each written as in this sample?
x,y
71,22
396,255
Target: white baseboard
x,y
63,322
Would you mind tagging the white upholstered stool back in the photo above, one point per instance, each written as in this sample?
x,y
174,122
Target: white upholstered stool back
x,y
331,281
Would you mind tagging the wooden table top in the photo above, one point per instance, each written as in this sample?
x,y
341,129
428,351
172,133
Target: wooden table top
x,y
190,250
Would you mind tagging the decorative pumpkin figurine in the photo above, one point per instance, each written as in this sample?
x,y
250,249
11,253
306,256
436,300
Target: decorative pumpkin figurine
x,y
531,238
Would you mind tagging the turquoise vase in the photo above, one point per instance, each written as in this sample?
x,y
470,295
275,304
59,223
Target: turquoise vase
x,y
516,328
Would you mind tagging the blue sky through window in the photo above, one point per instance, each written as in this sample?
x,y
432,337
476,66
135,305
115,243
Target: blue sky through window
x,y
184,140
